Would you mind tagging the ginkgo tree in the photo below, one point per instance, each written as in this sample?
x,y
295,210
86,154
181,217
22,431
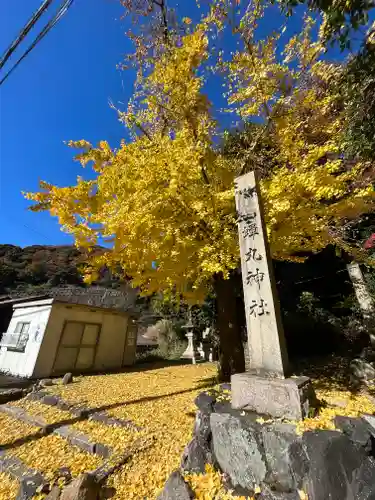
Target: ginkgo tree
x,y
164,200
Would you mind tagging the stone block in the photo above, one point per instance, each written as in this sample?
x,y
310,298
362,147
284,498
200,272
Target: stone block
x,y
84,487
82,441
99,417
237,450
20,414
29,479
76,438
176,489
102,450
13,466
28,486
290,398
65,431
54,494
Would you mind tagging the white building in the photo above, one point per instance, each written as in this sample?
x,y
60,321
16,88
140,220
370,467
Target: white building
x,y
51,336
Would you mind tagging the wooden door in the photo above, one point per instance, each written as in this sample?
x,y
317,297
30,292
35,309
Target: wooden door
x,y
77,347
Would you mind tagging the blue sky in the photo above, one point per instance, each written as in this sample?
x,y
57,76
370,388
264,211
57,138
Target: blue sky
x,y
61,92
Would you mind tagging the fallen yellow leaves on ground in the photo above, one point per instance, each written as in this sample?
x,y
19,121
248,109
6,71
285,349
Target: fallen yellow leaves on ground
x,y
350,405
209,486
8,487
118,438
161,401
49,453
11,430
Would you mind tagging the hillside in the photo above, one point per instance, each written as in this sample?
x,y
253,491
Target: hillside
x,y
37,268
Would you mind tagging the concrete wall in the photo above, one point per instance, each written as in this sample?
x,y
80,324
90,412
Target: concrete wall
x,y
112,350
23,363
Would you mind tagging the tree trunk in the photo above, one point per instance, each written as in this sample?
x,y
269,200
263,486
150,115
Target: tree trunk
x,y
231,354
364,298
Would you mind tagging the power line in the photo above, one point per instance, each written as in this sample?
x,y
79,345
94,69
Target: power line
x,y
25,30
62,10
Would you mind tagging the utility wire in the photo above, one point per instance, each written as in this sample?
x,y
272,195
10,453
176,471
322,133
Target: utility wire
x,y
25,30
63,9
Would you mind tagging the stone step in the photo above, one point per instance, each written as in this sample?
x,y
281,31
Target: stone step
x,y
67,432
80,410
83,441
30,480
21,414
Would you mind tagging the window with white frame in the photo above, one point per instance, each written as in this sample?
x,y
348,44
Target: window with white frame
x,y
17,339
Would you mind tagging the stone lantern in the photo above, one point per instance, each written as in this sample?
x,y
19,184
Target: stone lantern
x,y
191,351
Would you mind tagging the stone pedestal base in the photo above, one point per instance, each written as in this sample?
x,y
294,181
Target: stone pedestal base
x,y
290,398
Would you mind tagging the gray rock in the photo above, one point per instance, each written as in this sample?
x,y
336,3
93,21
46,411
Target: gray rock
x,y
368,354
334,462
226,386
356,429
36,395
277,441
202,428
268,494
176,488
237,451
361,370
50,400
195,457
67,378
205,402
8,395
364,487
299,463
370,421
83,488
45,382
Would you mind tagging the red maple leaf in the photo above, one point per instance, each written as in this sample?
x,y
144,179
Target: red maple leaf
x,y
370,243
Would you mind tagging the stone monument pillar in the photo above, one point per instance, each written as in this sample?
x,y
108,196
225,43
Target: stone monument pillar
x,y
263,388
